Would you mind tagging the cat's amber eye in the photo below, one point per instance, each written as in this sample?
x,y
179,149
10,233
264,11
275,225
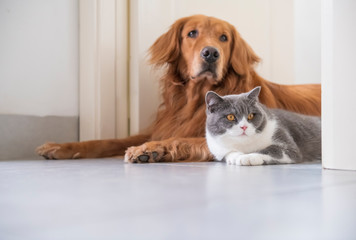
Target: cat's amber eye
x,y
250,116
230,117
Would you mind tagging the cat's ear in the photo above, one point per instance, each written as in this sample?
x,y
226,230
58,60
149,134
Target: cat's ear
x,y
253,94
212,99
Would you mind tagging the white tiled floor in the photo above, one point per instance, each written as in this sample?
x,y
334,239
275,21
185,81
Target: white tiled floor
x,y
107,199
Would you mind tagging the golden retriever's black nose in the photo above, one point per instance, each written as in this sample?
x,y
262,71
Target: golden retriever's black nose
x,y
210,54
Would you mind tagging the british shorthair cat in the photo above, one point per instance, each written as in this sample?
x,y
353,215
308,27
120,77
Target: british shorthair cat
x,y
242,131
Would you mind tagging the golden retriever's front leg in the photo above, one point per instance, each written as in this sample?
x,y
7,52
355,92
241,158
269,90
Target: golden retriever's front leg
x,y
90,149
170,150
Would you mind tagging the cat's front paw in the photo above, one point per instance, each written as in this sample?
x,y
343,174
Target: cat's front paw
x,y
252,159
233,158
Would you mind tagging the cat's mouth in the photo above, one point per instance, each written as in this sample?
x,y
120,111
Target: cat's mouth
x,y
241,134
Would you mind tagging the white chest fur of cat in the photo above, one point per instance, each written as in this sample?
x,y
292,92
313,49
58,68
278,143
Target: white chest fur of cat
x,y
233,144
242,131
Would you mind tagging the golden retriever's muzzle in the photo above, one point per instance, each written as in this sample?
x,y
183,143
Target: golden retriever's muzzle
x,y
209,56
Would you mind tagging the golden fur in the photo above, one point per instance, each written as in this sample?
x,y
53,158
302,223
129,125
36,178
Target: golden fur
x,y
178,132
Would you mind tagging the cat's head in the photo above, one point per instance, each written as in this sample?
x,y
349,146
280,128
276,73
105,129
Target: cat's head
x,y
238,116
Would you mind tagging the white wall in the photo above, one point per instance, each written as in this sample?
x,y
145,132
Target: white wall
x,y
145,27
39,57
339,84
307,40
280,31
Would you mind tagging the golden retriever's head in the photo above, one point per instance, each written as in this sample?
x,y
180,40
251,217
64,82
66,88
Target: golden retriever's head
x,y
202,47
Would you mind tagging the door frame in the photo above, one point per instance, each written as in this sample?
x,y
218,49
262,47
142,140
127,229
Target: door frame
x,y
103,69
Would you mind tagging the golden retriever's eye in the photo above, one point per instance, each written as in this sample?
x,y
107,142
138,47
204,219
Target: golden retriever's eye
x,y
193,34
230,117
223,38
250,116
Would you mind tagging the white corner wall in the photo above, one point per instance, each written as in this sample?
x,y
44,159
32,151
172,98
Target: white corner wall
x,y
338,84
307,40
39,57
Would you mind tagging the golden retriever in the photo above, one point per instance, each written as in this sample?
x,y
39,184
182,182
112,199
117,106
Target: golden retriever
x,y
200,53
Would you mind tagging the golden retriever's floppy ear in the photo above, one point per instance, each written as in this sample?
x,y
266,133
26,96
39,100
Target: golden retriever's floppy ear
x,y
166,49
243,57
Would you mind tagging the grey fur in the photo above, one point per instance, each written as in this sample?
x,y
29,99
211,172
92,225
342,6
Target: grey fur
x,y
296,135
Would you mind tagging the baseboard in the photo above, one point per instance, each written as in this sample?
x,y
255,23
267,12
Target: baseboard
x,y
21,134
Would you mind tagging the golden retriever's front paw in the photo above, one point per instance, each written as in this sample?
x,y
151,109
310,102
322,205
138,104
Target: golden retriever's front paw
x,y
147,153
52,150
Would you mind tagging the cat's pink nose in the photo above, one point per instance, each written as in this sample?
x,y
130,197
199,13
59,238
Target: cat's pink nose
x,y
244,128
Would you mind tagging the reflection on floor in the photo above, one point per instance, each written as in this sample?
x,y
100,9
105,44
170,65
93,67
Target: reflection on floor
x,y
107,199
